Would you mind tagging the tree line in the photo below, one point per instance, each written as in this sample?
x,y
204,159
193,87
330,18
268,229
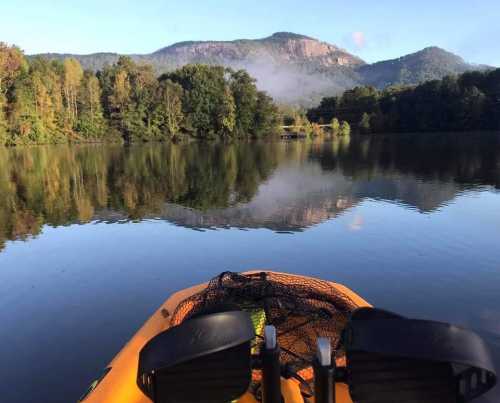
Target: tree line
x,y
470,101
297,123
44,101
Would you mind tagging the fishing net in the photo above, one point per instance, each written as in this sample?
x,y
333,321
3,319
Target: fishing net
x,y
302,309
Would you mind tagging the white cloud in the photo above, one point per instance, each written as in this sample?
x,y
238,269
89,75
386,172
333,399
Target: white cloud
x,y
359,39
357,223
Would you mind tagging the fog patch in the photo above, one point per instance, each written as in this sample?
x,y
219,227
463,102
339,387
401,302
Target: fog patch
x,y
299,84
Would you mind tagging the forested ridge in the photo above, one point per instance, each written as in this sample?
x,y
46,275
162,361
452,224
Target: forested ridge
x,y
295,69
470,101
56,101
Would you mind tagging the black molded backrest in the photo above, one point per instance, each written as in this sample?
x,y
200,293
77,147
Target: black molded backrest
x,y
376,378
394,359
206,358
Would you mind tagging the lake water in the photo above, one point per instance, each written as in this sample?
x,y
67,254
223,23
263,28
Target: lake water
x,y
94,238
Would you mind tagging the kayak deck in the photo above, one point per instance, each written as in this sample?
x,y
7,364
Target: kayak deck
x,y
119,385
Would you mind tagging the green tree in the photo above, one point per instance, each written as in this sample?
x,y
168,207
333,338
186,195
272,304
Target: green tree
x,y
364,124
472,106
91,123
335,125
205,103
245,99
267,118
3,121
116,91
355,102
168,113
139,119
325,111
226,116
345,128
130,93
12,64
73,74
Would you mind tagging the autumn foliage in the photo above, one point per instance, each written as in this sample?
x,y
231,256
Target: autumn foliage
x,y
44,101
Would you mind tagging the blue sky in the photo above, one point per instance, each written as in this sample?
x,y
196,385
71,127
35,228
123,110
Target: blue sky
x,y
373,29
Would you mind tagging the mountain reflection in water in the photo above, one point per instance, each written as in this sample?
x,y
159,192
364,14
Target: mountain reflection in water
x,y
282,186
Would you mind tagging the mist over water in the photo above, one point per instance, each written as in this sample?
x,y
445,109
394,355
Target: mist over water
x,y
94,238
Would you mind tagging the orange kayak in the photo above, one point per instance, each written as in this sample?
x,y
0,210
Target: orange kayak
x,y
270,337
119,381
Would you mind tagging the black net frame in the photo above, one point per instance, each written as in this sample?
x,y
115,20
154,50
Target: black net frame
x,y
301,308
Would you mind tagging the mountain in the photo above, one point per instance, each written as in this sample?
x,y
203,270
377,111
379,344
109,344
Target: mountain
x,y
294,68
278,49
428,64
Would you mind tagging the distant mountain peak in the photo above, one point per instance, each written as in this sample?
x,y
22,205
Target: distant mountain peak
x,y
436,51
432,49
289,35
278,50
429,63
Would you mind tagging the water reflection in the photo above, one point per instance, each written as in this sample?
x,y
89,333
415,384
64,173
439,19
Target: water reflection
x,y
285,186
438,261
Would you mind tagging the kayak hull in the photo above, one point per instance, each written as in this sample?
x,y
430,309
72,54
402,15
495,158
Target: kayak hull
x,y
119,384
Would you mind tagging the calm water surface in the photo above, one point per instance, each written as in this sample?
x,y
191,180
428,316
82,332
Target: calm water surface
x,y
94,238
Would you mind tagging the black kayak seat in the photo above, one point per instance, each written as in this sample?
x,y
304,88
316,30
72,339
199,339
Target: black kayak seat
x,y
394,359
206,358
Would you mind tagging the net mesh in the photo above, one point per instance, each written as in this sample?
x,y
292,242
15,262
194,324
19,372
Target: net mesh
x,y
302,309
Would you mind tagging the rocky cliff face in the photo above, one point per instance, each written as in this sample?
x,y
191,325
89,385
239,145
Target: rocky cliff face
x,y
298,50
280,48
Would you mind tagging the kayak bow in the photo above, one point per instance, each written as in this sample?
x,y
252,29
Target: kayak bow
x,y
268,336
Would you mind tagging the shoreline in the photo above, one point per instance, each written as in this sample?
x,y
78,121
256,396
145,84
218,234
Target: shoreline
x,y
280,137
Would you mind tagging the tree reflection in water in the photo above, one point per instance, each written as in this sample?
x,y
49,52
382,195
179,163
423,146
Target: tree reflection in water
x,y
278,185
